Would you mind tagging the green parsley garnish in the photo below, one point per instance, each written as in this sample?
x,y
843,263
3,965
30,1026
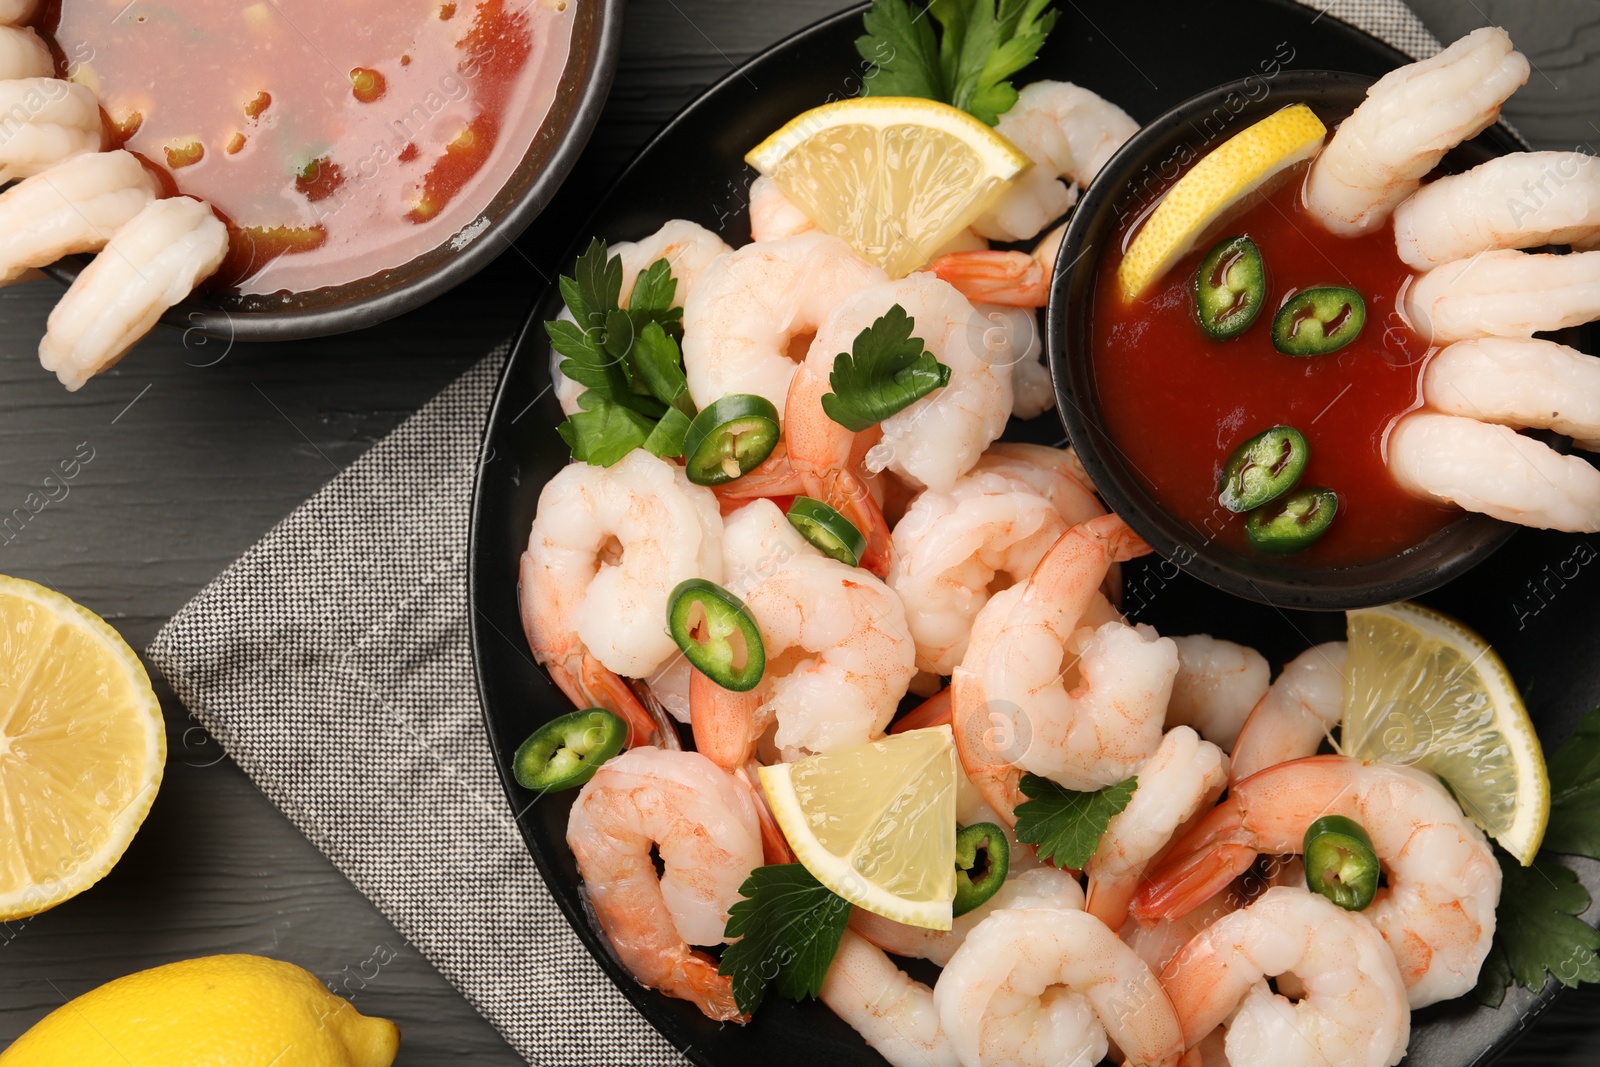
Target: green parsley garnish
x,y
885,371
981,43
1067,825
628,360
789,928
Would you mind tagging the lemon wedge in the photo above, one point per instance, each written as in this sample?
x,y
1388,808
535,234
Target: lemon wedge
x,y
894,177
1425,690
82,747
1223,177
876,824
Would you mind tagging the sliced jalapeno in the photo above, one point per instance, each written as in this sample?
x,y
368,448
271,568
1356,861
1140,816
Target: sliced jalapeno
x,y
1317,321
1230,287
1340,862
717,634
1263,468
730,438
983,855
831,532
565,752
1292,523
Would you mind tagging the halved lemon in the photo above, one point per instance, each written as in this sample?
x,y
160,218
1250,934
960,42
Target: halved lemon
x,y
876,824
894,177
1427,691
82,747
1223,177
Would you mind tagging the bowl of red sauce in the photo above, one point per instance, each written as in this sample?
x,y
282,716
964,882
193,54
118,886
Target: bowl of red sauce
x,y
366,155
1155,407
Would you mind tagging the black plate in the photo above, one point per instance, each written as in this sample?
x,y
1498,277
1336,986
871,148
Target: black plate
x,y
1533,600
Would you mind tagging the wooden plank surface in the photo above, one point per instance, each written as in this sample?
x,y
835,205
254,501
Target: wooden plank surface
x,y
199,447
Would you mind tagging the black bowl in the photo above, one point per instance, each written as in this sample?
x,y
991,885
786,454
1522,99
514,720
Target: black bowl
x,y
1141,170
585,83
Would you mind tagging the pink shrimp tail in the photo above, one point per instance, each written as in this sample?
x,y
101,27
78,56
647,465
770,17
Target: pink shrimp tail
x,y
935,711
726,724
1198,867
774,846
1014,279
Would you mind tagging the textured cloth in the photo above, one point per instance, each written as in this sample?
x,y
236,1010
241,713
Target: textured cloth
x,y
332,662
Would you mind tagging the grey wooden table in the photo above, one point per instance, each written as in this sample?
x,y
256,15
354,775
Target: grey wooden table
x,y
199,448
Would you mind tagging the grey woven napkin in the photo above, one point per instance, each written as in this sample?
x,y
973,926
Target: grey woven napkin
x,y
332,663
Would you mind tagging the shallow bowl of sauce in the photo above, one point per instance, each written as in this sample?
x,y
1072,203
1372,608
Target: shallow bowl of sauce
x,y
1154,408
366,156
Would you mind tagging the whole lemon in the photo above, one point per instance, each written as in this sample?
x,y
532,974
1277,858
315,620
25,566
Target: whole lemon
x,y
218,1011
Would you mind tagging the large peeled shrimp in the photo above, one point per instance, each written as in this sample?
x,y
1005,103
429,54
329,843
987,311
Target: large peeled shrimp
x,y
1437,908
1217,684
16,12
702,823
155,260
46,120
607,546
1521,382
1068,132
1411,117
23,54
1048,986
1304,704
1522,200
1352,1006
893,1012
1494,470
751,310
75,206
773,216
1505,294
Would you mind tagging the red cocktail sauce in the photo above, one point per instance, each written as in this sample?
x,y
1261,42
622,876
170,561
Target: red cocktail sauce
x,y
1177,403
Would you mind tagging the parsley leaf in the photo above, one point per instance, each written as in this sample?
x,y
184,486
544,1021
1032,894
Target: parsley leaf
x,y
1574,826
885,371
1067,825
602,432
981,44
789,928
1537,930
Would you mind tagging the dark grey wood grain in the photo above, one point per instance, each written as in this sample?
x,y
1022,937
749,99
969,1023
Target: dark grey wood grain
x,y
199,448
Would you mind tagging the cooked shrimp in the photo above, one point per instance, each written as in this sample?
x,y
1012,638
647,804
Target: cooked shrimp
x,y
1352,1008
1183,777
1520,382
1048,986
1084,737
1494,470
1505,294
23,54
773,216
1437,910
1036,887
152,262
936,439
46,120
1157,942
1411,117
1056,474
75,206
688,249
839,654
1068,132
750,313
607,546
1217,684
702,823
891,1010
1522,200
16,12
1295,715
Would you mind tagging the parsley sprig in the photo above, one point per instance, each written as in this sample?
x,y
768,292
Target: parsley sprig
x,y
1067,825
627,359
885,371
789,926
980,44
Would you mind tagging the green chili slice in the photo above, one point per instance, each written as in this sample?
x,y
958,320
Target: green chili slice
x,y
717,634
565,752
1317,321
832,533
1263,468
1230,288
730,438
983,856
1292,523
1340,862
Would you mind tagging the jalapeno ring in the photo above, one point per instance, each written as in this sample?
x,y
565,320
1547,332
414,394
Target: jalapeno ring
x,y
1263,468
1341,863
717,634
983,856
565,752
1314,322
1230,287
729,439
1292,523
833,535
